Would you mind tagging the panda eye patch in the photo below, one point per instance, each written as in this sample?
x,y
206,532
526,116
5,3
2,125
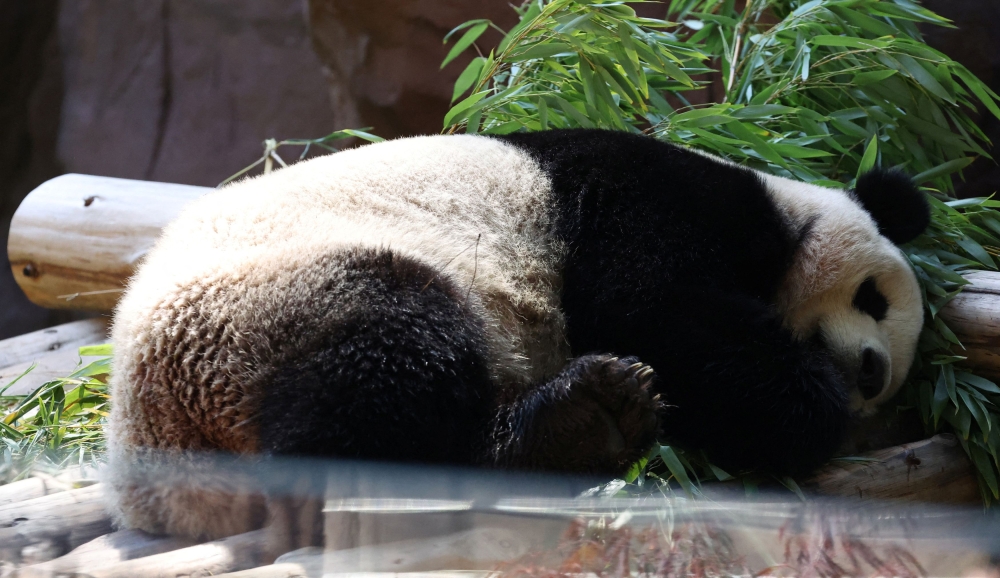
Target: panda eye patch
x,y
869,300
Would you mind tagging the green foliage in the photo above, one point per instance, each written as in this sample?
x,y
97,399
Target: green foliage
x,y
58,424
818,90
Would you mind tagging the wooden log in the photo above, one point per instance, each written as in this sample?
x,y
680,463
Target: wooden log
x,y
974,316
24,510
106,551
67,519
209,559
66,337
43,484
76,239
932,470
29,489
52,351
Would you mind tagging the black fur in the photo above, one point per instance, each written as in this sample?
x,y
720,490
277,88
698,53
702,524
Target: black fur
x,y
870,300
673,257
402,377
900,210
595,417
676,258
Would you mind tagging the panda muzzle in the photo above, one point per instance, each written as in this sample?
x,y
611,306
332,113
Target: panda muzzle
x,y
871,373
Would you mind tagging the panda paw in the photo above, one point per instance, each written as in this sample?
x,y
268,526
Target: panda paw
x,y
622,387
606,414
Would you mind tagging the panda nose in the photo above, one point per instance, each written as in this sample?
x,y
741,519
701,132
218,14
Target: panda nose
x,y
871,376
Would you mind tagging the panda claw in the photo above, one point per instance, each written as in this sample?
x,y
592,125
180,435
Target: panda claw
x,y
644,373
634,367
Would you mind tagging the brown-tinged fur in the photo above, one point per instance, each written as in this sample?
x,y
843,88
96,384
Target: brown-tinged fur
x,y
227,295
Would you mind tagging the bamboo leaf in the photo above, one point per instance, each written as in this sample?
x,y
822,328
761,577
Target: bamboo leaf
x,y
744,132
924,78
95,350
541,50
846,42
976,251
975,410
977,382
862,21
677,470
468,77
453,114
943,169
719,473
362,135
790,483
940,400
985,468
872,77
980,90
470,36
527,19
869,158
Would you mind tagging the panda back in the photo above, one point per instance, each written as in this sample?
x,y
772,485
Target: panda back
x,y
228,290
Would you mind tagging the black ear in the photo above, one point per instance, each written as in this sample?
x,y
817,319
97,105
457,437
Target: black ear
x,y
898,207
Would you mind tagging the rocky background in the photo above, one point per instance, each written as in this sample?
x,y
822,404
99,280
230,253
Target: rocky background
x,y
186,90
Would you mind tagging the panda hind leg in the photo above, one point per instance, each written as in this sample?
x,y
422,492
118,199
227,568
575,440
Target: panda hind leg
x,y
595,417
400,373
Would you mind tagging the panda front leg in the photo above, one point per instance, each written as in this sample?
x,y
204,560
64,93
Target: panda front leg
x,y
597,416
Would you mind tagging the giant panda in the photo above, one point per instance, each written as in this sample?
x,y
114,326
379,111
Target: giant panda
x,y
504,301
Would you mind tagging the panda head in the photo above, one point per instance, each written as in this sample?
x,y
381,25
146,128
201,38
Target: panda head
x,y
850,288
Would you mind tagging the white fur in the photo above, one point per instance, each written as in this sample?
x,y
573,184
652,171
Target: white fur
x,y
228,290
231,290
844,248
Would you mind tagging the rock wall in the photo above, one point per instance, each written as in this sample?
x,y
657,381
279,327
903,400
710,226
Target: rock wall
x,y
383,65
171,90
975,42
184,90
29,122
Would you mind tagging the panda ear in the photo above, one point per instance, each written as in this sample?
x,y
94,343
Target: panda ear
x,y
898,207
